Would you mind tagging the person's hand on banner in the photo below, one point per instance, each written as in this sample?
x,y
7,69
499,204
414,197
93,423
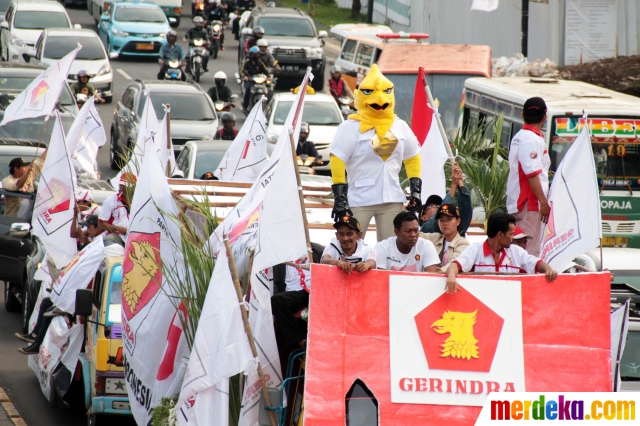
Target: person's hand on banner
x,y
415,187
362,267
346,267
340,202
551,275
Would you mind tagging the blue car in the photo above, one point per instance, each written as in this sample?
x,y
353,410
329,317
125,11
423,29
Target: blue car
x,y
133,28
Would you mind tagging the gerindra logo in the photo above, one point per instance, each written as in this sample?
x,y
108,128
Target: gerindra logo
x,y
454,349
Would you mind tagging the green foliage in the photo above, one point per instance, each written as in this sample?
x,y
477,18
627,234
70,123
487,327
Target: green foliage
x,y
165,413
324,12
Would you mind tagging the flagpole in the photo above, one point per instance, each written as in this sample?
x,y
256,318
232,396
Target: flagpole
x,y
301,196
440,126
44,129
247,326
168,107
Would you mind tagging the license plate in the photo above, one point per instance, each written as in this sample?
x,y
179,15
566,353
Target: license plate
x,y
614,241
119,405
173,71
144,46
291,67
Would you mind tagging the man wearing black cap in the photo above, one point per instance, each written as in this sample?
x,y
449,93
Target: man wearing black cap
x,y
348,250
20,179
90,230
528,183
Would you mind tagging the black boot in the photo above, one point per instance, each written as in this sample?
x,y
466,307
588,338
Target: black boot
x,y
29,338
32,349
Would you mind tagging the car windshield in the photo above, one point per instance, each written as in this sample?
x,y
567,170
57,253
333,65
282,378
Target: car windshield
x,y
292,27
630,362
57,47
191,107
139,14
207,161
10,87
39,20
4,5
31,129
320,113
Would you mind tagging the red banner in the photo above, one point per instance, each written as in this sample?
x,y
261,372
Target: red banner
x,y
564,332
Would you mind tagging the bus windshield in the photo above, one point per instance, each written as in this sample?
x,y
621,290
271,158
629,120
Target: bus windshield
x,y
615,144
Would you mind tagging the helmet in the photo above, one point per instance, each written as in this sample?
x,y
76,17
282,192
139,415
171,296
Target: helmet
x,y
262,43
220,75
82,73
304,127
254,50
336,68
198,20
228,116
171,33
258,30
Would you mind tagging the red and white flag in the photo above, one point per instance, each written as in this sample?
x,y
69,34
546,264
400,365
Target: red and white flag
x,y
433,153
85,136
155,353
247,155
41,95
485,5
53,210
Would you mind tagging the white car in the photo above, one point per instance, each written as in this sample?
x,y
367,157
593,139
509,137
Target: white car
x,y
55,43
23,24
320,111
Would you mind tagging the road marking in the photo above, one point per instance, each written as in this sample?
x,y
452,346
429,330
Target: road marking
x,y
124,74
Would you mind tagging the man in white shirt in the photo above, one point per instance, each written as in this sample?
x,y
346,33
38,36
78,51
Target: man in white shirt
x,y
286,304
528,182
114,215
348,251
497,255
406,251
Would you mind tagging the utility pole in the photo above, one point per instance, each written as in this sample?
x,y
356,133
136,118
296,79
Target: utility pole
x,y
370,12
525,28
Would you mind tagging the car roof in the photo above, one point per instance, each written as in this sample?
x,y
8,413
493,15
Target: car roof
x,y
210,144
79,32
282,11
10,147
52,6
137,3
11,69
168,86
317,97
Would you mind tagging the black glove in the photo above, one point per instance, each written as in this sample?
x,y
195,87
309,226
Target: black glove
x,y
415,186
340,202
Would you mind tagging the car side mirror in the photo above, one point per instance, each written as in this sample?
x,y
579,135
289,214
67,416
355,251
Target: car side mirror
x,y
19,229
77,26
4,25
113,55
322,34
84,302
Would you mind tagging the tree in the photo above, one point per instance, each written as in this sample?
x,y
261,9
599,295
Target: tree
x,y
355,8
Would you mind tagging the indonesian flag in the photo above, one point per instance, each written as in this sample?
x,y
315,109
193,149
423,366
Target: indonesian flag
x,y
85,136
485,5
153,340
53,210
433,154
247,155
41,96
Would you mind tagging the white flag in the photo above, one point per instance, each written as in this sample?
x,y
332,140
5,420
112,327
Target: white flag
x,y
574,222
247,155
220,349
165,153
41,95
485,5
619,328
53,210
153,343
85,136
147,129
433,155
77,275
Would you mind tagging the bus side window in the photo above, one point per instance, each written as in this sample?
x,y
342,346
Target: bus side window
x,y
348,50
505,136
376,55
364,55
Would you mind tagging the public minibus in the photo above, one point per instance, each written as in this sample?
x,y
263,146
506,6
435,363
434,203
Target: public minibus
x,y
171,8
612,118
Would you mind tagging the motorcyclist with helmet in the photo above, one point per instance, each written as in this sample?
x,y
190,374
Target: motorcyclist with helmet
x,y
250,67
306,147
196,32
220,92
83,81
218,12
336,85
228,132
171,52
266,56
258,33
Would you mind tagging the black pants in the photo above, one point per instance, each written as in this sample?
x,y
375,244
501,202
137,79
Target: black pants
x,y
283,306
42,325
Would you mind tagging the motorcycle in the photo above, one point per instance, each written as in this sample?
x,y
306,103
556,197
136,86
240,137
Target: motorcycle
x,y
344,102
174,72
222,106
262,86
306,164
215,32
196,58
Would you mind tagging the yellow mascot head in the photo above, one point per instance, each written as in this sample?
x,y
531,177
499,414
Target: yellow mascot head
x,y
375,101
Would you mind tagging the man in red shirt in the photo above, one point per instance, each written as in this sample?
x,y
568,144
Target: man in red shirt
x,y
528,183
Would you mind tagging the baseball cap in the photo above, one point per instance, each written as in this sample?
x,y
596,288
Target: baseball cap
x,y
433,199
128,179
90,220
518,233
84,195
534,107
349,221
17,162
448,210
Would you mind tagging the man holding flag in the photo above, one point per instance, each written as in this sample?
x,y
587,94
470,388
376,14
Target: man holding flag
x,y
21,176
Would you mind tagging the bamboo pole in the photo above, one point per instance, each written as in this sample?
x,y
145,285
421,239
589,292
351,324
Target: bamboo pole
x,y
247,326
440,126
44,129
168,106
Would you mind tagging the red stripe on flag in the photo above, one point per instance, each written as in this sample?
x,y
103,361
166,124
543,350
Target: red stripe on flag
x,y
421,113
246,150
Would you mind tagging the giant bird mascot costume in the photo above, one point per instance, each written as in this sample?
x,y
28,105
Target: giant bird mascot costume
x,y
371,147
